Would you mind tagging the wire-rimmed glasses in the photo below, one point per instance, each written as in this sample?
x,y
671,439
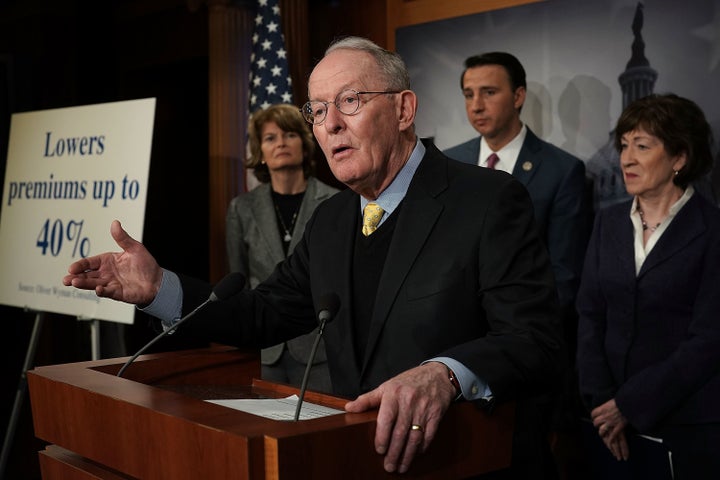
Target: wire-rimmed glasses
x,y
347,102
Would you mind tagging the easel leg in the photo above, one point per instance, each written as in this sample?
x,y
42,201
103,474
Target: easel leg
x,y
20,395
94,336
95,339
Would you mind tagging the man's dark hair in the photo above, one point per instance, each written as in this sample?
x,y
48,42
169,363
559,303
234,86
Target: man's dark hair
x,y
512,66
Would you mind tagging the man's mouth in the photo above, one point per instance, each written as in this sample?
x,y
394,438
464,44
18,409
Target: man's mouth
x,y
340,149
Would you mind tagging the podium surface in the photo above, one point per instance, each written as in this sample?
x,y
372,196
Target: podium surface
x,y
154,423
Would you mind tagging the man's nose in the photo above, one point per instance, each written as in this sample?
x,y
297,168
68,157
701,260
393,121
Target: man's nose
x,y
478,103
334,120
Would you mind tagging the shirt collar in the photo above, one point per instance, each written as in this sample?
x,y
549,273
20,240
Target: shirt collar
x,y
508,154
674,208
642,249
391,197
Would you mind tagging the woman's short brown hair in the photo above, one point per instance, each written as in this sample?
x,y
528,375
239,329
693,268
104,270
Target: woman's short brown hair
x,y
289,119
680,124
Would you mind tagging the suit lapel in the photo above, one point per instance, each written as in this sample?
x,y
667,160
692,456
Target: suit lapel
x,y
263,212
528,160
340,237
687,225
474,151
622,238
306,208
418,215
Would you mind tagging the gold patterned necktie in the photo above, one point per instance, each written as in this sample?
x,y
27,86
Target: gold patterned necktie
x,y
372,213
492,160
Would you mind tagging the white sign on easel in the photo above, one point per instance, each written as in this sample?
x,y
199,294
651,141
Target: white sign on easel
x,y
70,172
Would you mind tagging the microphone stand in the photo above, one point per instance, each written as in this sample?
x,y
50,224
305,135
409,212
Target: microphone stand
x,y
161,335
229,285
306,376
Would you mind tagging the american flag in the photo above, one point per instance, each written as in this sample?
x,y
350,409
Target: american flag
x,y
270,81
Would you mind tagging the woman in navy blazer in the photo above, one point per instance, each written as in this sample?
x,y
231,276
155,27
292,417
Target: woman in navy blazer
x,y
649,300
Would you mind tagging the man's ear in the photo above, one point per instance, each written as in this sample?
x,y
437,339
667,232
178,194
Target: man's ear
x,y
406,109
519,97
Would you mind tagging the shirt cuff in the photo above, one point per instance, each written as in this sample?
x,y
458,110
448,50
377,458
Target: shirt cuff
x,y
471,386
167,304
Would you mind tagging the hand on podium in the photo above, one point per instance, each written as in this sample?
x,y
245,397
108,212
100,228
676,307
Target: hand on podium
x,y
411,406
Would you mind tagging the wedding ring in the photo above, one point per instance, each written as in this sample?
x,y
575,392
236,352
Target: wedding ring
x,y
416,427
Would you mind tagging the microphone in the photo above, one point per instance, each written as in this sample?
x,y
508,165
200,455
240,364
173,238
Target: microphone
x,y
328,304
225,288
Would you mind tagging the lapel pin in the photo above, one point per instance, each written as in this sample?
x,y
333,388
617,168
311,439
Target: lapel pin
x,y
527,166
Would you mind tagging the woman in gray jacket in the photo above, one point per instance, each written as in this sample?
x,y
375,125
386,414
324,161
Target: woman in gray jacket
x,y
265,224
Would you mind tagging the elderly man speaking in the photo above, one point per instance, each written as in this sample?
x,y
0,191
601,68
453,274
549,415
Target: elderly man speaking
x,y
446,290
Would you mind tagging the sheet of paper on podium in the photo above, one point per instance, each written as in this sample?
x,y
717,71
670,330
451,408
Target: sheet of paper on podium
x,y
278,408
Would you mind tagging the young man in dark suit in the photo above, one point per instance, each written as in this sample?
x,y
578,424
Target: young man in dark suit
x,y
494,88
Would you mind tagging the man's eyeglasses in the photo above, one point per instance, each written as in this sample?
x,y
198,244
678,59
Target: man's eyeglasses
x,y
347,102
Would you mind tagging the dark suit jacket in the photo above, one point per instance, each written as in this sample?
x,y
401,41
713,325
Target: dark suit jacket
x,y
652,341
559,192
465,260
254,247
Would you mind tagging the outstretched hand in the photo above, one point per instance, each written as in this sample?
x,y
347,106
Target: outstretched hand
x,y
411,407
131,276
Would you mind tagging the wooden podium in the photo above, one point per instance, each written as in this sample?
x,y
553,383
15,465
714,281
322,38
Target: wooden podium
x,y
154,424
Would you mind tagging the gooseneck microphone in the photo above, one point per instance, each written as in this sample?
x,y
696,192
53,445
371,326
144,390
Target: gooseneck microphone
x,y
328,306
225,288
